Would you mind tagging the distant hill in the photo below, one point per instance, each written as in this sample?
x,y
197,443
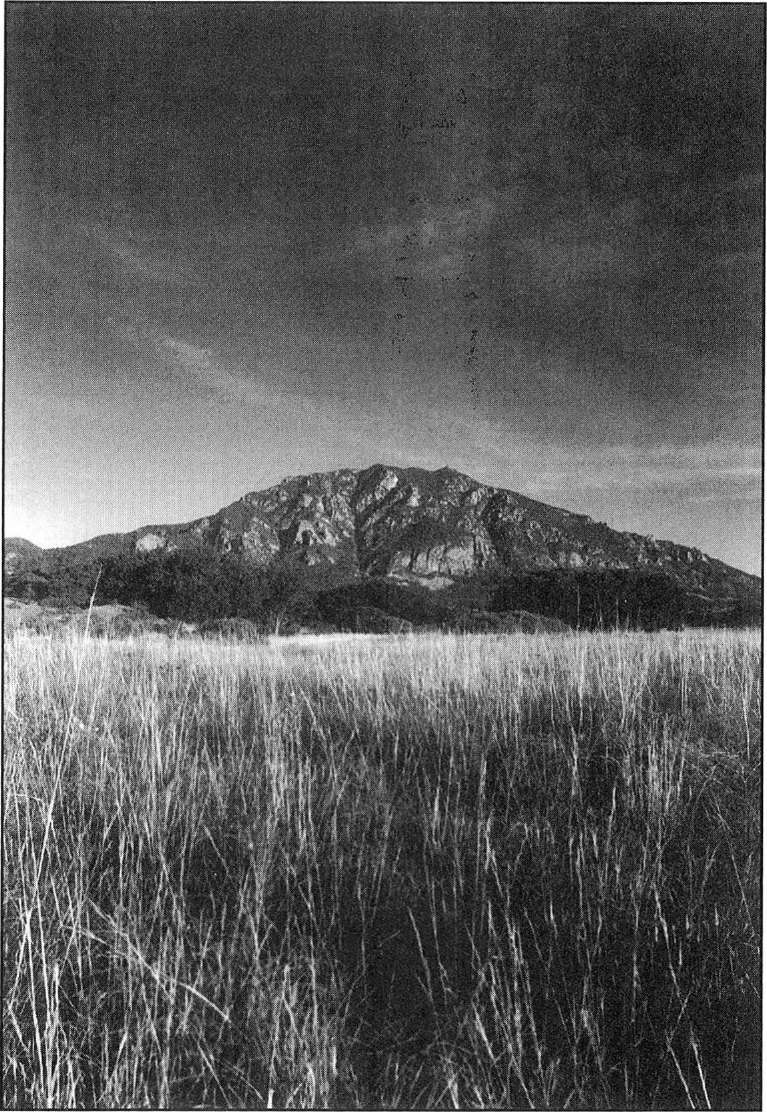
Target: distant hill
x,y
16,550
419,529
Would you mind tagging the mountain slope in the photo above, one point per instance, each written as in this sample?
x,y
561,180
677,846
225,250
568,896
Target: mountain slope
x,y
409,525
16,550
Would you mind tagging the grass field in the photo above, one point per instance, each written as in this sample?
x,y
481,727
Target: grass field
x,y
430,870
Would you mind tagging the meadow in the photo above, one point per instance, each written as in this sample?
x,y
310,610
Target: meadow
x,y
401,871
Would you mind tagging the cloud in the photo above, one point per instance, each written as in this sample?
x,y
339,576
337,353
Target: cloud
x,y
141,256
701,473
431,242
187,360
557,471
197,360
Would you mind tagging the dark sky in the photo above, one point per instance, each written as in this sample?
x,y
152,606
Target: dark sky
x,y
246,241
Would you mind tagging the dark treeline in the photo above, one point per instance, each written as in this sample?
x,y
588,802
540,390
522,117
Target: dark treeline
x,y
628,598
200,586
194,585
636,598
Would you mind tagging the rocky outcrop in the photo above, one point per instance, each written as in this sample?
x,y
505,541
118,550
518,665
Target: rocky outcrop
x,y
150,542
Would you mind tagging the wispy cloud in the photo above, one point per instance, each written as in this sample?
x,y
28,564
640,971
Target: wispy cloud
x,y
564,474
707,474
149,258
198,361
188,361
431,242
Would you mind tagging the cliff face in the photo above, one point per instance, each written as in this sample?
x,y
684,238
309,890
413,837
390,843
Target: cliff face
x,y
410,525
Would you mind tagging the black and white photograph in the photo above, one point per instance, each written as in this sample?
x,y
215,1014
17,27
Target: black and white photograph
x,y
383,426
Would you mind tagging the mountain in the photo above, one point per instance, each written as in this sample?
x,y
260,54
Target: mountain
x,y
412,527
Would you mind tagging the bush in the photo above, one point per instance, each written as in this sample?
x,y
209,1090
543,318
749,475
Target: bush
x,y
233,629
369,619
511,621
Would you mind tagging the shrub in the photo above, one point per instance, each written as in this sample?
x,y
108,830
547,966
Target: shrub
x,y
238,629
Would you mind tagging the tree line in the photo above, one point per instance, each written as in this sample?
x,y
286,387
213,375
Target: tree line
x,y
198,585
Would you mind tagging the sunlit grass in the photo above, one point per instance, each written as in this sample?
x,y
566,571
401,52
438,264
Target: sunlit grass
x,y
440,870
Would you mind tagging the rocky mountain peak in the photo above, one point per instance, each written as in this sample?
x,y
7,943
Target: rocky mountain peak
x,y
404,523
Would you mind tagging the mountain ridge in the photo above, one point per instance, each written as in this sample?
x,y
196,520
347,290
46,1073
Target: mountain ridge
x,y
405,523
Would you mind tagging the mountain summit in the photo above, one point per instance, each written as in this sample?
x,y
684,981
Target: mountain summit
x,y
414,526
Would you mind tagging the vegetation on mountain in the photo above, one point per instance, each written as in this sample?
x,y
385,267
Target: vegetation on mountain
x,y
199,585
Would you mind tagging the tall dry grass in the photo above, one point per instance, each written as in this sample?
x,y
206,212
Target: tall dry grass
x,y
429,870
